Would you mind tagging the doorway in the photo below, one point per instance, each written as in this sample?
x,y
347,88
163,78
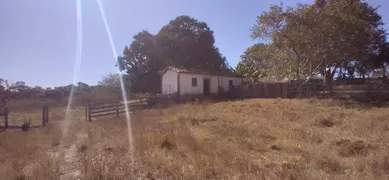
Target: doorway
x,y
206,87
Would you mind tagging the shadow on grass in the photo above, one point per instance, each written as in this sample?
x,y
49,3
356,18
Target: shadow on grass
x,y
374,100
348,99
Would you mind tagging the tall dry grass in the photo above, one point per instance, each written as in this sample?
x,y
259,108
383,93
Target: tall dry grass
x,y
27,155
18,117
251,139
36,154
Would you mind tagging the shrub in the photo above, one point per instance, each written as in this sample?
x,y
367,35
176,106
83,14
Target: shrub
x,y
26,125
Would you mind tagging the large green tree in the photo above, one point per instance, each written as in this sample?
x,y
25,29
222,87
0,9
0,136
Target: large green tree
x,y
142,61
184,42
188,42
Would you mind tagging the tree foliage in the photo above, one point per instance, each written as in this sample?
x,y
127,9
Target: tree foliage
x,y
267,62
317,39
111,82
187,42
142,61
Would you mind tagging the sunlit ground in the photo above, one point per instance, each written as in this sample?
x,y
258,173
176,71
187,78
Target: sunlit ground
x,y
251,139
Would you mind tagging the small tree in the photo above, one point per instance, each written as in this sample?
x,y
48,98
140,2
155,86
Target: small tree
x,y
112,82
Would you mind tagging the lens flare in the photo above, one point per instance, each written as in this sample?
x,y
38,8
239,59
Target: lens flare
x,y
77,64
124,95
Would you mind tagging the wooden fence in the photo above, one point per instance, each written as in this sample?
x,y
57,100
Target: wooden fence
x,y
292,89
45,115
307,90
103,109
111,108
5,113
279,90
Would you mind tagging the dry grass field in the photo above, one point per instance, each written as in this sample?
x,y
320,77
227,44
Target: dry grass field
x,y
251,139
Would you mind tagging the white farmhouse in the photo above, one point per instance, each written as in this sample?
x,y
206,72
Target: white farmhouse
x,y
197,82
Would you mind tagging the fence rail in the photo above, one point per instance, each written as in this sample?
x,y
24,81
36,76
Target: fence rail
x,y
5,112
292,89
280,89
110,108
310,89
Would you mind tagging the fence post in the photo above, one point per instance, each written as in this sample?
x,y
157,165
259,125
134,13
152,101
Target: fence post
x,y
284,90
43,116
47,114
117,109
89,113
86,112
368,88
314,89
279,90
6,117
265,87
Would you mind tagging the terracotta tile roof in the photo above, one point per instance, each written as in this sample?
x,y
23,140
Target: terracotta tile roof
x,y
201,71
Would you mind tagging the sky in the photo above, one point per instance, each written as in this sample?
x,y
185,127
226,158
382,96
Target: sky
x,y
38,39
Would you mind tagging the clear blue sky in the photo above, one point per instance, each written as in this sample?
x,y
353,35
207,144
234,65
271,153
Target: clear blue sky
x,y
38,38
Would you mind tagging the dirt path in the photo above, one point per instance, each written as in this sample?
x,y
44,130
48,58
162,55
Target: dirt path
x,y
70,164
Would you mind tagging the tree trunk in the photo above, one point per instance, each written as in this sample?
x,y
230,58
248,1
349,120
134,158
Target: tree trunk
x,y
384,75
300,88
329,79
340,73
300,83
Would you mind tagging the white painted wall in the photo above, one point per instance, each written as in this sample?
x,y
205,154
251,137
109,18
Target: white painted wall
x,y
215,82
169,82
214,85
223,81
187,88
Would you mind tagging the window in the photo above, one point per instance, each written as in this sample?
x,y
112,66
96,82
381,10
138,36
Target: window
x,y
194,81
230,84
